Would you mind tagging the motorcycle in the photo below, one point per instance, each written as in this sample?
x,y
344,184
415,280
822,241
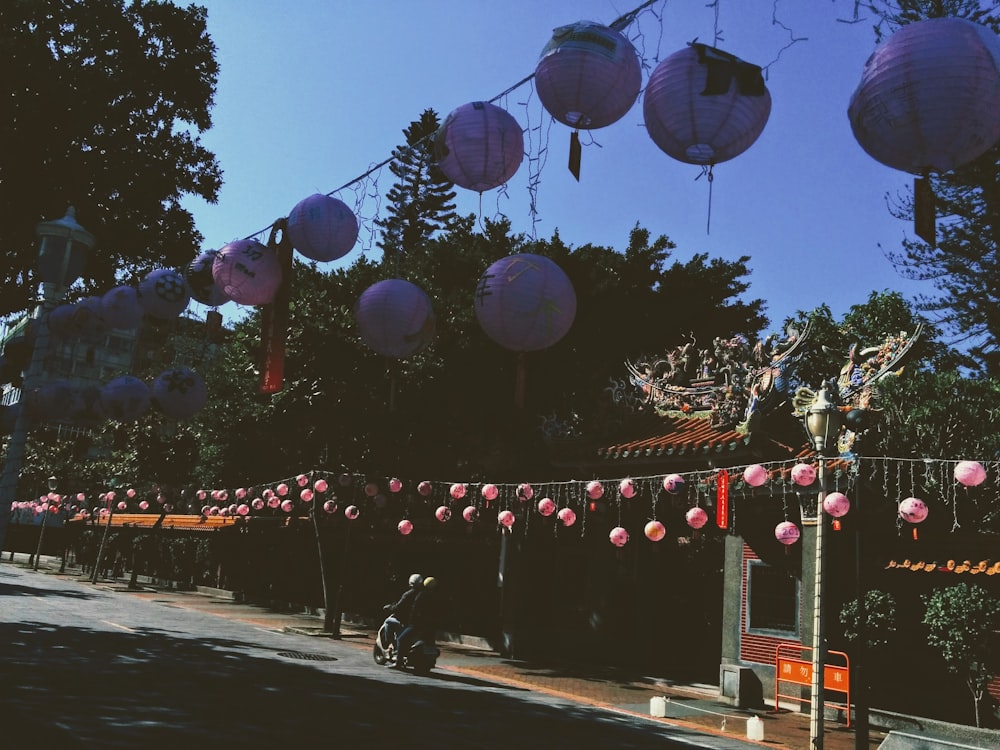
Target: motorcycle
x,y
421,655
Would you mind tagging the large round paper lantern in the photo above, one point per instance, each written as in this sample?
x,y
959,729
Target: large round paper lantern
x,y
787,533
525,491
913,510
120,307
322,228
588,75
654,531
929,96
618,536
546,506
704,106
443,513
125,399
200,280
248,272
52,399
425,488
673,483
395,318
970,473
696,517
595,490
179,392
567,516
490,492
457,490
352,512
470,513
163,294
755,475
836,504
803,474
479,146
627,488
525,302
505,518
405,527
395,485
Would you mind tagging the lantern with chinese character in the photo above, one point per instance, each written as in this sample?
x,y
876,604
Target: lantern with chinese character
x,y
322,228
248,272
479,146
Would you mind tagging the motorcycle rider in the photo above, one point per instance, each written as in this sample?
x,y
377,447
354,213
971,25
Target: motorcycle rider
x,y
403,610
421,619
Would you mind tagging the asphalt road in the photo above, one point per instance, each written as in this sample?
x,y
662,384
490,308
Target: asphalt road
x,y
86,667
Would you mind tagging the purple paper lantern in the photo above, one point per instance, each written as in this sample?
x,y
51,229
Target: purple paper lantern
x,y
125,399
179,392
163,294
704,106
248,272
525,302
322,228
929,96
200,280
50,400
479,146
120,307
588,75
395,318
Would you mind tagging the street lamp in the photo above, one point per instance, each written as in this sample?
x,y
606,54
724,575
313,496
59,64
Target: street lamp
x,y
53,483
61,257
823,420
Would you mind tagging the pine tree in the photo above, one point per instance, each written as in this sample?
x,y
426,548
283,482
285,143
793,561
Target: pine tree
x,y
420,201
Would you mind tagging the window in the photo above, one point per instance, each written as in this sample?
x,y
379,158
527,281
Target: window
x,y
772,599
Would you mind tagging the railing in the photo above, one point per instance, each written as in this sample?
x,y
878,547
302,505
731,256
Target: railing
x,y
796,668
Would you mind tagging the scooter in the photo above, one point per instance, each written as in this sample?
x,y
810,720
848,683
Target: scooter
x,y
421,655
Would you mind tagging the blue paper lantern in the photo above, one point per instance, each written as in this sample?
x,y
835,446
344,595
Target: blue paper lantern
x,y
322,228
479,147
395,318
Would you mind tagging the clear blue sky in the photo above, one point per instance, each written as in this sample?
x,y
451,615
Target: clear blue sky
x,y
313,93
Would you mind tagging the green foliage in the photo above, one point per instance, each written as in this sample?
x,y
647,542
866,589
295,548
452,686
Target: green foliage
x,y
103,103
961,621
879,624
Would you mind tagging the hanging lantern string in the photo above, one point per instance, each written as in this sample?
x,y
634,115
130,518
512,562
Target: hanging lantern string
x,y
618,24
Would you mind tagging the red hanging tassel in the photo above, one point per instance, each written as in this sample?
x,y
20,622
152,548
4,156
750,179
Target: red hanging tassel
x,y
836,524
914,533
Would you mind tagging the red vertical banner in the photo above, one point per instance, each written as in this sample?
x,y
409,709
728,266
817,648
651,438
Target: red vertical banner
x,y
722,500
274,318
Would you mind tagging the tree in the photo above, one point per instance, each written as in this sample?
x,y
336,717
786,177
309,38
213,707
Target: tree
x,y
963,266
961,620
104,103
420,200
879,625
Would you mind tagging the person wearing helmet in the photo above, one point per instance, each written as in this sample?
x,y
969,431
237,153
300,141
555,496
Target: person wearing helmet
x,y
421,618
403,610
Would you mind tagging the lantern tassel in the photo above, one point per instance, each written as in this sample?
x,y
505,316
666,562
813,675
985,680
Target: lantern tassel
x,y
914,533
924,211
274,316
575,154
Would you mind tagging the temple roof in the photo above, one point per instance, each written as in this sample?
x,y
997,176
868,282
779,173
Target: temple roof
x,y
678,436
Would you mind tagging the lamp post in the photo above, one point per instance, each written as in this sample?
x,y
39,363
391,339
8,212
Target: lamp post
x,y
61,257
53,483
823,420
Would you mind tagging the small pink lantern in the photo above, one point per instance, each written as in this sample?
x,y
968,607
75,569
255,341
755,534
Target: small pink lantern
x,y
425,488
110,496
241,493
248,272
546,506
371,489
567,516
122,505
321,485
443,513
130,492
282,489
306,495
755,475
405,527
506,518
654,531
525,302
351,512
673,483
470,513
322,228
143,505
479,146
970,473
627,488
457,491
302,480
200,281
81,498
242,509
803,474
395,485
525,491
206,510
286,505
223,494
836,504
618,536
330,506
588,76
913,510
202,494
705,106
258,503
490,492
395,318
929,96
696,517
163,294
273,501
787,533
179,392
595,490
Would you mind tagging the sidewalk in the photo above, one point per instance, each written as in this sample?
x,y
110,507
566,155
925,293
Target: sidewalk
x,y
692,706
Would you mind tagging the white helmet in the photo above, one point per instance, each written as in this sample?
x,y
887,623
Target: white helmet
x,y
416,581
